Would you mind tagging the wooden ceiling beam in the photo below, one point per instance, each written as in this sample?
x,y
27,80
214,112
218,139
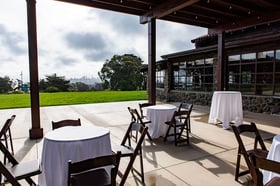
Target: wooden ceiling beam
x,y
165,9
189,22
111,5
213,10
245,23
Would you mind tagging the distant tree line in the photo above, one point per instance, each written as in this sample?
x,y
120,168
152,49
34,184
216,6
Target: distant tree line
x,y
121,72
54,83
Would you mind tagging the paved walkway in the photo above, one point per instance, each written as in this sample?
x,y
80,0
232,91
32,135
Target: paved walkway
x,y
208,160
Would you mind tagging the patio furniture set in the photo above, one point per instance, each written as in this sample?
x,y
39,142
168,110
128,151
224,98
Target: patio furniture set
x,y
76,153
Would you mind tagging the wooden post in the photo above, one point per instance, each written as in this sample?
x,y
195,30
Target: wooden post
x,y
35,132
152,61
220,69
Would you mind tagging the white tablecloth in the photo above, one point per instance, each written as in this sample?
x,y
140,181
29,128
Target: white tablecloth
x,y
273,154
226,106
70,143
158,114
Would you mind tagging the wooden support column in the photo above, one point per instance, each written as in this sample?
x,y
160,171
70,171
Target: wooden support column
x,y
220,68
36,131
152,61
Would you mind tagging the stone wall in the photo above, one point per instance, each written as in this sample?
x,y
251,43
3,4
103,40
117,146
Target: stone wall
x,y
261,104
252,103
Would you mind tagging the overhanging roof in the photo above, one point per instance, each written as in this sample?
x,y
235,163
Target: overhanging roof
x,y
217,15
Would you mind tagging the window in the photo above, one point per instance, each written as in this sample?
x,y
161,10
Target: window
x,y
160,79
250,57
255,73
266,55
193,75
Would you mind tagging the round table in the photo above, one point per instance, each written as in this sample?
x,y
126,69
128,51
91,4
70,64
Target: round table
x,y
73,143
273,154
226,106
158,114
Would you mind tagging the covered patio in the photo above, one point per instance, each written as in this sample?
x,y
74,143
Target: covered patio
x,y
220,17
209,159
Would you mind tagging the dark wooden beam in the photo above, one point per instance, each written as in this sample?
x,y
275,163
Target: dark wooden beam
x,y
111,5
152,61
166,8
36,131
220,68
245,23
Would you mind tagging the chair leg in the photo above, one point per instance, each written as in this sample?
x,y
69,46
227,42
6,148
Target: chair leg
x,y
130,168
237,166
142,169
7,146
189,125
30,181
11,142
188,139
167,133
149,136
175,136
182,129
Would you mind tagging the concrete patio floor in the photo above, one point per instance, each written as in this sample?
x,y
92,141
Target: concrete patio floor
x,y
209,159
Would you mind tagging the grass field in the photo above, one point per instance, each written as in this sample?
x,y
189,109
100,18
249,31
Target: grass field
x,y
70,98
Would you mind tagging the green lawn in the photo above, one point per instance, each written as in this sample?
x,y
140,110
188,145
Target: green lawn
x,y
70,98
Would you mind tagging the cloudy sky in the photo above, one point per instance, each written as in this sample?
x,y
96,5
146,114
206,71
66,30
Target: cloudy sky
x,y
74,41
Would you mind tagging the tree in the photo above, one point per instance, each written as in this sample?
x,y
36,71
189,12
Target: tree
x,y
54,83
122,73
5,84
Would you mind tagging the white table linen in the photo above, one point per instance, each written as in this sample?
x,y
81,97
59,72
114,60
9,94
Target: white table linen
x,y
74,143
226,106
273,154
158,115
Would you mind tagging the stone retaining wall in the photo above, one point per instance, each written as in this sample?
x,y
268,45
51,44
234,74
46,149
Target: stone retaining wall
x,y
252,103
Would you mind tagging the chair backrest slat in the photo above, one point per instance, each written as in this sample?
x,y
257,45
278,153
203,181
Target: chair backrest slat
x,y
7,125
89,165
141,106
66,122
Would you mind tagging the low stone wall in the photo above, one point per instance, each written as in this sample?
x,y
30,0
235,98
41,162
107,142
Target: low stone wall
x,y
252,103
261,104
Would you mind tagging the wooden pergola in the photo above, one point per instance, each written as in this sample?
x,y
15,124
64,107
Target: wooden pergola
x,y
219,16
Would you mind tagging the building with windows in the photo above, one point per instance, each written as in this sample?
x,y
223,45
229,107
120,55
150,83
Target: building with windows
x,y
251,66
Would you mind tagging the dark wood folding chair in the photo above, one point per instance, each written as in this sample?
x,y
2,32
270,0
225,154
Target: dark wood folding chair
x,y
135,117
132,150
93,171
17,171
66,122
141,106
258,163
6,135
179,123
249,129
187,107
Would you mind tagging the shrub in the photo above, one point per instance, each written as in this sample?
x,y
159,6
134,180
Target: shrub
x,y
52,89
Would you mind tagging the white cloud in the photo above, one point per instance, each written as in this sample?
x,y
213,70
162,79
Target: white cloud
x,y
75,41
